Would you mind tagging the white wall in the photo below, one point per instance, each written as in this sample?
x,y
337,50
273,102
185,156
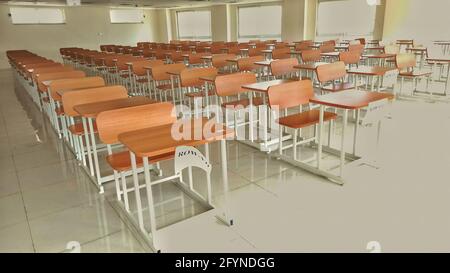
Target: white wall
x,y
421,20
86,27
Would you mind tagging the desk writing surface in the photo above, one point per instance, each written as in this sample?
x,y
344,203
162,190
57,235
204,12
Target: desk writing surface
x,y
370,70
264,63
312,66
208,79
91,110
155,141
264,86
350,99
379,56
439,59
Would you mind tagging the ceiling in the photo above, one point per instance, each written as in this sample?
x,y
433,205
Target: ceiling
x,y
137,3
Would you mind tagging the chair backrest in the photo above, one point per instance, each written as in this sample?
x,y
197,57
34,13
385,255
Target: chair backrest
x,y
179,56
405,61
35,66
91,95
138,67
255,52
281,53
312,55
359,48
290,94
228,85
121,63
304,45
326,48
248,64
329,42
197,58
220,60
283,66
234,50
350,57
50,69
191,76
159,73
112,123
331,72
41,78
73,84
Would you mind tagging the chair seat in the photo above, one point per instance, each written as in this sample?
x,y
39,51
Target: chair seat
x,y
198,94
338,87
305,119
257,101
164,86
415,73
121,161
77,129
59,111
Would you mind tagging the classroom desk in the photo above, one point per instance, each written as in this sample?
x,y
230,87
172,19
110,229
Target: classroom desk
x,y
267,53
419,51
261,88
330,55
309,68
443,60
264,68
244,52
233,64
373,72
373,43
445,46
157,141
207,60
380,57
88,113
341,47
378,49
344,100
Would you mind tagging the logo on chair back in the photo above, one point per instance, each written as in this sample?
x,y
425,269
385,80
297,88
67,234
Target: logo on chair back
x,y
186,156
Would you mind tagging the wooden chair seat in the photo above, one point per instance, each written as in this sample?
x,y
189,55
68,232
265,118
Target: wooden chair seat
x,y
415,73
305,119
77,129
338,87
121,161
164,86
198,94
257,101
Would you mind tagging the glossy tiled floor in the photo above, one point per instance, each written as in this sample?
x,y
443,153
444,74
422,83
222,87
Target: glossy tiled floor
x,y
47,201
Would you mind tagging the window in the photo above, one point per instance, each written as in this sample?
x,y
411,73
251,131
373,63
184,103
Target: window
x,y
194,25
25,15
126,16
260,22
344,18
